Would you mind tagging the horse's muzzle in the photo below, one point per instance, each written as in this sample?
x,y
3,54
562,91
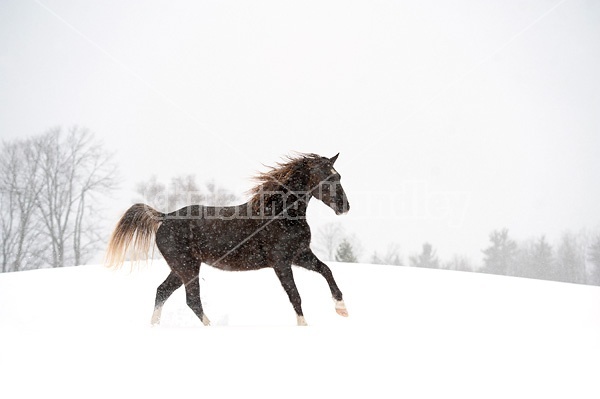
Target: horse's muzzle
x,y
342,209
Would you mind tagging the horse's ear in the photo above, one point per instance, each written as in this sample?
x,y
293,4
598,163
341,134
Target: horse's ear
x,y
333,159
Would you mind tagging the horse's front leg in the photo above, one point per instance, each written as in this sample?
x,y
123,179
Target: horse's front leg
x,y
309,260
286,277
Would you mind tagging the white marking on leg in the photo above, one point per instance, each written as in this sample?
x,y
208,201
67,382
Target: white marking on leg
x,y
205,320
156,316
301,321
340,307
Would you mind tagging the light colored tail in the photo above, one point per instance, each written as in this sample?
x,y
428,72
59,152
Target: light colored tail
x,y
138,225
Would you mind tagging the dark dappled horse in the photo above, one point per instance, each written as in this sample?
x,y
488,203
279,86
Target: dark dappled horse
x,y
270,230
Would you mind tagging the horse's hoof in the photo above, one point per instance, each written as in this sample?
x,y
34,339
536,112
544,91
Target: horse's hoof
x,y
301,321
155,317
342,312
205,320
340,307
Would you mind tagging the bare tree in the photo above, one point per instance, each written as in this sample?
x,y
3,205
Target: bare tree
x,y
153,193
328,239
392,256
49,189
19,226
460,263
218,196
182,190
74,171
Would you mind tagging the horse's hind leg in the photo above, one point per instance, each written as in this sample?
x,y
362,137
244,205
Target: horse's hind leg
x,y
163,292
192,294
187,269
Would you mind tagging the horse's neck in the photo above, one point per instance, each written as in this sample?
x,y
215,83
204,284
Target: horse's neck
x,y
280,203
298,208
292,205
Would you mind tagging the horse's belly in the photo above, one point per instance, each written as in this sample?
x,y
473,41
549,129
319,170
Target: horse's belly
x,y
236,260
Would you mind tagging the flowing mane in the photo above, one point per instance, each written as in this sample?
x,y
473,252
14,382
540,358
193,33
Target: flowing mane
x,y
290,175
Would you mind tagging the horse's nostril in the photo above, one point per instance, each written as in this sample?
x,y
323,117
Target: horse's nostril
x,y
342,208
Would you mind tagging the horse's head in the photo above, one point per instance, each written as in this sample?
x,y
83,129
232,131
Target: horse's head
x,y
326,185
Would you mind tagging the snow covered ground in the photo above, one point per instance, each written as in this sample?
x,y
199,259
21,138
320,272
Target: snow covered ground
x,y
84,332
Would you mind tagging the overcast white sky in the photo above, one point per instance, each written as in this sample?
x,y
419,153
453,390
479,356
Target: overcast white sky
x,y
452,118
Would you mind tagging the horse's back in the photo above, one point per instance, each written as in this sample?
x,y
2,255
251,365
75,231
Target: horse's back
x,y
224,237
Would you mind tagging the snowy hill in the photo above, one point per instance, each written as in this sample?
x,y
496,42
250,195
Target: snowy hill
x,y
84,332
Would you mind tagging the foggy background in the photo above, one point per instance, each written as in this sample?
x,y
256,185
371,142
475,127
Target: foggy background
x,y
452,118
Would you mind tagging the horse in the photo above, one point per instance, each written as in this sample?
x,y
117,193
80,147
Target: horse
x,y
270,230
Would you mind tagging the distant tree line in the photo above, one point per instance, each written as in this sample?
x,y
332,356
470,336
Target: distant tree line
x,y
50,188
576,258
